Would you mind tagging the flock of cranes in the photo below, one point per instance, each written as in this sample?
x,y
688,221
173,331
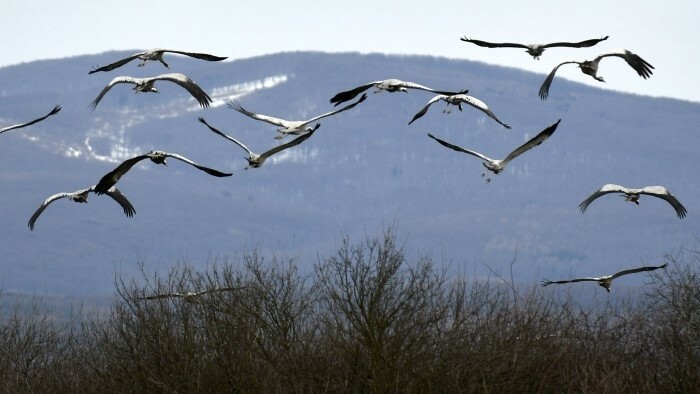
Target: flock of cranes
x,y
303,129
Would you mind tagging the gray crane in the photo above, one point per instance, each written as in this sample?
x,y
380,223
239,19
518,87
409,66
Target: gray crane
x,y
603,281
294,127
81,196
156,156
535,50
457,100
146,85
156,55
389,85
633,195
496,166
590,67
256,160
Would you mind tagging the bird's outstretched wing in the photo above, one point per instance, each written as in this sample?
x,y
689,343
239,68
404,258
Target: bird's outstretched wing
x,y
544,89
112,192
481,106
265,118
663,193
294,142
116,64
196,55
413,85
45,204
112,177
352,93
235,141
641,66
582,44
547,282
424,110
347,107
184,81
536,140
208,170
115,81
54,111
494,44
121,199
605,189
640,269
460,149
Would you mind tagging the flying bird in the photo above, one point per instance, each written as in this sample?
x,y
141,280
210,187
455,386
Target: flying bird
x,y
156,55
604,281
590,67
633,195
458,100
496,166
156,156
189,296
256,160
535,50
81,196
294,127
146,85
54,111
390,85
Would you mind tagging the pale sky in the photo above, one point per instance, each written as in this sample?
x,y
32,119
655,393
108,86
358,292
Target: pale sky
x,y
664,33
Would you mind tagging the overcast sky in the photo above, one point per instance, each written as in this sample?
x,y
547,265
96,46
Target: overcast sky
x,y
665,33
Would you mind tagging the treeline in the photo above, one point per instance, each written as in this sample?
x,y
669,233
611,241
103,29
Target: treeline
x,y
363,320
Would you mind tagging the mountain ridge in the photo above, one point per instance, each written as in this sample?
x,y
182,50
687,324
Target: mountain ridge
x,y
363,169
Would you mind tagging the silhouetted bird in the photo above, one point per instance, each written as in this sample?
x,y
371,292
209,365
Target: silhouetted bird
x,y
535,50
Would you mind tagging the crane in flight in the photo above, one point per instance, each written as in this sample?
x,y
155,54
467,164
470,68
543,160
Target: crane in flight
x,y
155,55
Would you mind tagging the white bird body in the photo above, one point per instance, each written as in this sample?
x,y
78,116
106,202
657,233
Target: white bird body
x,y
496,166
633,195
54,111
156,156
294,127
156,55
147,85
457,100
390,85
256,160
590,67
604,281
81,196
535,50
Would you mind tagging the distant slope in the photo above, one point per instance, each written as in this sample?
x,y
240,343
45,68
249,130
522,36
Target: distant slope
x,y
363,169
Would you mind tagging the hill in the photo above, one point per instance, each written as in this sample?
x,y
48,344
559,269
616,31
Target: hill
x,y
364,169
